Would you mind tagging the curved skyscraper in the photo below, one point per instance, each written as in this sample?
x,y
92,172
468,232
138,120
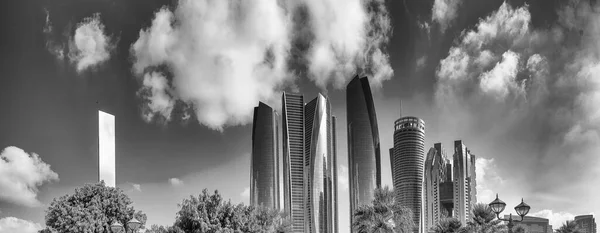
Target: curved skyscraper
x,y
320,166
435,179
465,183
407,159
364,161
264,176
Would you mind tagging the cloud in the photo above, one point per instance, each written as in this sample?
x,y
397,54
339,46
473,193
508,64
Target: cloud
x,y
343,178
246,193
421,62
444,12
90,46
21,174
175,182
534,93
137,187
192,64
54,46
12,225
488,180
556,218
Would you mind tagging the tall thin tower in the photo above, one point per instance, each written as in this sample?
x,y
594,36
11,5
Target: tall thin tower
x,y
407,160
294,160
320,166
435,176
264,176
465,192
364,159
106,149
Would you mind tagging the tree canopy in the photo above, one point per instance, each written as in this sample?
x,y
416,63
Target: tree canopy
x,y
91,209
209,213
383,215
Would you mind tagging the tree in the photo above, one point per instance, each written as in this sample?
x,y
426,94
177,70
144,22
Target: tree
x,y
484,220
519,229
163,229
209,213
569,227
448,225
92,208
383,215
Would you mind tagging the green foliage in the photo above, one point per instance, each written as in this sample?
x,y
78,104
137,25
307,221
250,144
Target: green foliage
x,y
448,225
383,215
163,229
569,227
519,229
209,213
92,208
484,221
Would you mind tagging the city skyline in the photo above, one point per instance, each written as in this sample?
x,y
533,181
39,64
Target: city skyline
x,y
515,80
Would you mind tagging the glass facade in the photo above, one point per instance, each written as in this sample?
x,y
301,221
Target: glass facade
x,y
364,169
586,223
465,192
407,163
106,149
264,175
435,177
320,166
293,159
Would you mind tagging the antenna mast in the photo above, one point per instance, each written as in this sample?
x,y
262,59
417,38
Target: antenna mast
x,y
400,107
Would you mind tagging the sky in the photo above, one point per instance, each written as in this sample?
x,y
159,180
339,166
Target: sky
x,y
517,81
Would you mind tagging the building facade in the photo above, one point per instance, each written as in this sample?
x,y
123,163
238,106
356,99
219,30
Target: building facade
x,y
586,223
533,224
293,160
106,149
320,167
435,176
407,160
465,192
364,160
264,172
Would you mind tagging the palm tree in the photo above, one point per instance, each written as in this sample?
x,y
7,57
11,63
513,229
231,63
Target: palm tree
x,y
569,227
484,220
448,225
384,215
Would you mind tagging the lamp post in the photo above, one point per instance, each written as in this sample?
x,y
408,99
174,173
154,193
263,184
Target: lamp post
x,y
134,225
498,206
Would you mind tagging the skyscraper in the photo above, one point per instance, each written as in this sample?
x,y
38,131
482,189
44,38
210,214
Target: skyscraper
x,y
407,164
586,223
435,176
106,149
264,176
294,159
319,166
465,192
364,161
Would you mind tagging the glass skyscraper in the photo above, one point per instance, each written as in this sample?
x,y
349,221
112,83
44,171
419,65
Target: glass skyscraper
x,y
320,166
294,160
407,159
264,176
465,192
364,160
436,172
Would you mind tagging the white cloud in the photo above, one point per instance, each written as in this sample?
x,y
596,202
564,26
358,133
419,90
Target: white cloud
x,y
137,187
444,12
246,193
488,180
343,177
556,218
21,174
421,62
175,182
501,79
54,47
15,225
89,46
213,50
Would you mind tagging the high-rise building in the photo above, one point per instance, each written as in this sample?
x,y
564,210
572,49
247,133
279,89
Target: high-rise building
x,y
319,166
465,192
533,224
106,149
586,223
436,173
293,160
264,172
407,163
335,176
364,162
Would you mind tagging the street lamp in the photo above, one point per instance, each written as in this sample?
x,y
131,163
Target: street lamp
x,y
498,206
134,225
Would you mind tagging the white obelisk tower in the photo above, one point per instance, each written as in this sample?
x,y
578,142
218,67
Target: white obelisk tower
x,y
106,149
